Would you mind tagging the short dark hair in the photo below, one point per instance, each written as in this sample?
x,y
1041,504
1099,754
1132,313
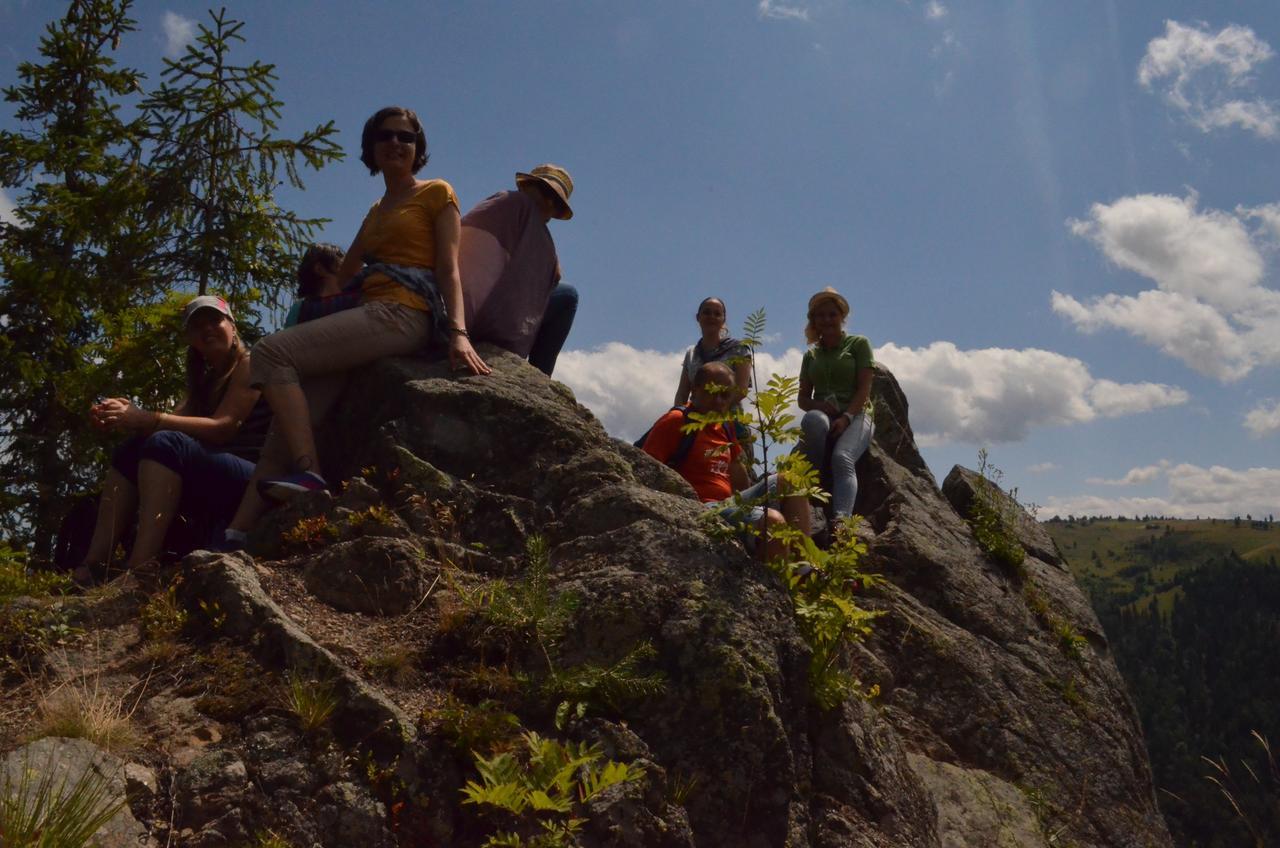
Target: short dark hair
x,y
713,372
328,255
371,126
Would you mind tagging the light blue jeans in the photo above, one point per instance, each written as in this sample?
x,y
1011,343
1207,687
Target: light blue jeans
x,y
852,444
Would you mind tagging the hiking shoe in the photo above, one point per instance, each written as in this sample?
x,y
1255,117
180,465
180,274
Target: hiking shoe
x,y
281,489
227,545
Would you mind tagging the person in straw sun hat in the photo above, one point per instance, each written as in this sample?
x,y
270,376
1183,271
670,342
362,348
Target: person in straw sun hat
x,y
510,270
835,394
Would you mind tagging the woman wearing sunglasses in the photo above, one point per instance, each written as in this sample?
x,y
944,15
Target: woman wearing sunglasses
x,y
405,262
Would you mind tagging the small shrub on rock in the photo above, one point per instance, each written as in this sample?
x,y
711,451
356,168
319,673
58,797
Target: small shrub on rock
x,y
992,525
539,791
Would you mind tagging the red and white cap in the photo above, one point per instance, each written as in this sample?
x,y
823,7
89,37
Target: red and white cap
x,y
205,301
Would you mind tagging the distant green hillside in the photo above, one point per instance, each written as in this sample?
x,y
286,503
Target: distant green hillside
x,y
1200,661
1128,561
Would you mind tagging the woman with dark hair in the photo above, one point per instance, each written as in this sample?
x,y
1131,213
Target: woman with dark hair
x,y
318,290
715,345
404,261
194,461
835,394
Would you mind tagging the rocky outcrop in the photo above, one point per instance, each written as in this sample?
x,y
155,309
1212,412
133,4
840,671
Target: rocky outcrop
x,y
990,722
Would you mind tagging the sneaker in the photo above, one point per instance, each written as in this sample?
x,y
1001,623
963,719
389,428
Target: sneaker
x,y
228,544
283,489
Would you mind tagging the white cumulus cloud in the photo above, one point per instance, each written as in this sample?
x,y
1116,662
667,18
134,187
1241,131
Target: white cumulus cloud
x,y
178,33
1209,76
994,395
1263,420
1210,307
1135,476
1189,490
983,396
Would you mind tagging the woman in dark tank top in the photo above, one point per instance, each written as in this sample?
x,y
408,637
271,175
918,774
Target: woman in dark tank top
x,y
193,462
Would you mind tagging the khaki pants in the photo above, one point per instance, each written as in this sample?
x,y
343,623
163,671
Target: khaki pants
x,y
319,353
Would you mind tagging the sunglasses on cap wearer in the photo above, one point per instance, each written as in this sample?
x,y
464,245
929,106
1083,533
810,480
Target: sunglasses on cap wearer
x,y
402,136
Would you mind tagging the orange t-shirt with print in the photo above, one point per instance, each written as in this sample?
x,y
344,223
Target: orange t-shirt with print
x,y
707,465
405,234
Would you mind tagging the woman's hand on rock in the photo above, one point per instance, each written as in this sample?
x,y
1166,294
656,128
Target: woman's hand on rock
x,y
463,355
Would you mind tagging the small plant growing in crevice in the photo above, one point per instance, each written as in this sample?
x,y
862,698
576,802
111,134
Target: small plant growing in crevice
x,y
524,611
1069,640
311,699
486,726
393,665
378,515
992,519
310,534
538,792
162,619
603,688
50,813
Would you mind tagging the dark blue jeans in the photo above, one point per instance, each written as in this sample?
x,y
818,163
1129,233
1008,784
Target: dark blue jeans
x,y
213,481
556,322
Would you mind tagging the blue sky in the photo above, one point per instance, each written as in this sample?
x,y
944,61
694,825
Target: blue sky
x,y
1057,223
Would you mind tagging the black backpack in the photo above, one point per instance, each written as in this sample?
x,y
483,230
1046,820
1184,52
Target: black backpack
x,y
681,453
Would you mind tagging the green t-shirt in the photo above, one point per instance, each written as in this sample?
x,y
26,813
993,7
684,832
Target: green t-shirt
x,y
834,371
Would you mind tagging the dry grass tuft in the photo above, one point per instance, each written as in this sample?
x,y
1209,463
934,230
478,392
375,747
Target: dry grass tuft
x,y
83,709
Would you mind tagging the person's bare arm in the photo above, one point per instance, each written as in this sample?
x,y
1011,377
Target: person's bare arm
x,y
216,429
352,262
682,390
448,228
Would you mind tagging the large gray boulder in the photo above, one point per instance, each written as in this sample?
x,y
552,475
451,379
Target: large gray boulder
x,y
989,728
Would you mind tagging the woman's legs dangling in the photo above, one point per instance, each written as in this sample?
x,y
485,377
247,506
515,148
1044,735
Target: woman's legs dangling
x,y
116,507
159,492
851,445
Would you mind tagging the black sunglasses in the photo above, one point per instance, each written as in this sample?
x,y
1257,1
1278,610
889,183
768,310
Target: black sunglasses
x,y
402,136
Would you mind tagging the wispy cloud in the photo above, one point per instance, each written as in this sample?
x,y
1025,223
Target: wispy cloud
x,y
1209,76
1188,490
1043,467
773,10
935,11
1210,307
178,33
976,396
1263,419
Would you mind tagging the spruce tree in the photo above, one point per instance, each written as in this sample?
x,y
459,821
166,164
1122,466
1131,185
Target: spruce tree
x,y
218,164
76,253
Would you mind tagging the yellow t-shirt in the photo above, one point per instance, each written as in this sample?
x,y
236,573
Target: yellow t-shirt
x,y
404,235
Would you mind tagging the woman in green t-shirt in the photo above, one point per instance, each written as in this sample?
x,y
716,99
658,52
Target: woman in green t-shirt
x,y
835,394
